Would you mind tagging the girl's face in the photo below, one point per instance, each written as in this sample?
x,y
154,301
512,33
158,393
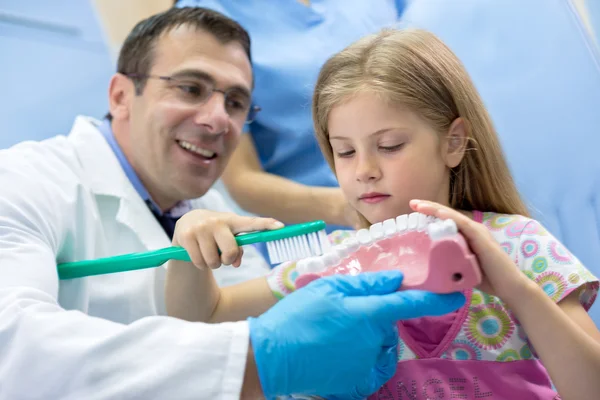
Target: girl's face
x,y
385,155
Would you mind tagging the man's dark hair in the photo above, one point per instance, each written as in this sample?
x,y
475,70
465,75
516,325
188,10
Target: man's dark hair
x,y
136,56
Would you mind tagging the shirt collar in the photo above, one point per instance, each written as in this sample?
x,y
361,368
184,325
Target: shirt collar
x,y
177,211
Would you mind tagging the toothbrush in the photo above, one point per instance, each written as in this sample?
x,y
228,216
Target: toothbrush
x,y
286,244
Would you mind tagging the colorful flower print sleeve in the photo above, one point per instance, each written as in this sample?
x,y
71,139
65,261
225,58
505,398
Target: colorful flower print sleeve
x,y
542,257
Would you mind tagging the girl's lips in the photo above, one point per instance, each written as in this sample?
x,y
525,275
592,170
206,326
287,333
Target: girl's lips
x,y
373,198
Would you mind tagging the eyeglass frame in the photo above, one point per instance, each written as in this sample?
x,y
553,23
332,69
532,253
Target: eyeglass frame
x,y
253,111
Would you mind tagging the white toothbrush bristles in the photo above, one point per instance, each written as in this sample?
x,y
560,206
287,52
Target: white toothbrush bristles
x,y
298,247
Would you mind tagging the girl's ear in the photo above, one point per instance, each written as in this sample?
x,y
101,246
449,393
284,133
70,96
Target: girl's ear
x,y
455,143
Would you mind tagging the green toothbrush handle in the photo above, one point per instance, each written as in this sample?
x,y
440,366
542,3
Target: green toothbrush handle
x,y
154,258
122,263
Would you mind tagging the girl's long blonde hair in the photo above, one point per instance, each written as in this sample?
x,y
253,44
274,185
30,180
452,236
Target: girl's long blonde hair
x,y
416,69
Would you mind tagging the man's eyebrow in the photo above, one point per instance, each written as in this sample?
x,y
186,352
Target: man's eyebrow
x,y
201,75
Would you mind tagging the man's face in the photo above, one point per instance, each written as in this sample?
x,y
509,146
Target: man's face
x,y
178,141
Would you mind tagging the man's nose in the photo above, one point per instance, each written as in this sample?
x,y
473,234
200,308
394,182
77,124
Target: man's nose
x,y
213,114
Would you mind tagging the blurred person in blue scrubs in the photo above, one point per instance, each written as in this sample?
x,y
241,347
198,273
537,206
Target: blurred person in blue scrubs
x,y
277,169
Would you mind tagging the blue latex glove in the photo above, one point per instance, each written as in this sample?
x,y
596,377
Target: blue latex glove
x,y
337,337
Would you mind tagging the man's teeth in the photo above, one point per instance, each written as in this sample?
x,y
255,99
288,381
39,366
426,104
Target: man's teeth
x,y
190,147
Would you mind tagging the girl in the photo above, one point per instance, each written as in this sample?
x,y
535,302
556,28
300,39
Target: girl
x,y
398,119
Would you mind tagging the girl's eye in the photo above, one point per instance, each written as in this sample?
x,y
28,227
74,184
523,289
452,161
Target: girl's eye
x,y
345,153
391,148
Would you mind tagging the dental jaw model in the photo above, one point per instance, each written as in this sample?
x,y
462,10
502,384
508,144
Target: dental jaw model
x,y
431,254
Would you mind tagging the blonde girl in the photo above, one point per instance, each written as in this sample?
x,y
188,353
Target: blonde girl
x,y
403,127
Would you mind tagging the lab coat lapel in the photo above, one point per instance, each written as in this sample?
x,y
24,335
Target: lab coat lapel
x,y
107,178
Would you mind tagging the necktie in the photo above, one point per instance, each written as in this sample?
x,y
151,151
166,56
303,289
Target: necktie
x,y
166,221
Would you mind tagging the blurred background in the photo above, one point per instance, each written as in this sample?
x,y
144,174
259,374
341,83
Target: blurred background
x,y
56,61
56,57
535,62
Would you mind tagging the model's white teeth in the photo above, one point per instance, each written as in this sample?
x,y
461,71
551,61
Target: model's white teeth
x,y
389,227
450,227
341,250
310,265
351,244
194,149
441,229
330,259
301,266
401,222
376,231
316,265
363,236
422,222
436,229
413,221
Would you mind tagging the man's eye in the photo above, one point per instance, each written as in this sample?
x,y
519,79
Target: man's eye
x,y
193,90
237,103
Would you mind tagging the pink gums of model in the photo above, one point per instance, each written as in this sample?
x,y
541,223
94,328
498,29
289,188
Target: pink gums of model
x,y
431,254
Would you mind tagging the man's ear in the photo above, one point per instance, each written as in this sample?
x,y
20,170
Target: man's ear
x,y
120,94
455,143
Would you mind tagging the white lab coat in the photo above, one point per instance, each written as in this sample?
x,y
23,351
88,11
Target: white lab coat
x,y
101,337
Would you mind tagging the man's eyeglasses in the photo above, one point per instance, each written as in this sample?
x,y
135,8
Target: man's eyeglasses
x,y
197,91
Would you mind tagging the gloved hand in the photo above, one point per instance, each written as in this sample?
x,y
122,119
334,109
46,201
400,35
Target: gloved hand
x,y
337,336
